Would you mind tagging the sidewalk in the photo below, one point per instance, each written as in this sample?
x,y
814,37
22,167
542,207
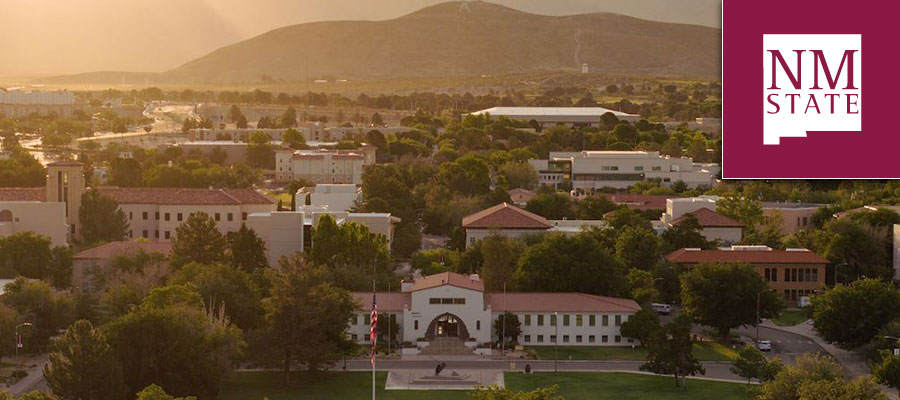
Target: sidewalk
x,y
35,368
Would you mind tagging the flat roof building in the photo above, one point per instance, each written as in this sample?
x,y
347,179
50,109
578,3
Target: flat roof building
x,y
575,116
589,171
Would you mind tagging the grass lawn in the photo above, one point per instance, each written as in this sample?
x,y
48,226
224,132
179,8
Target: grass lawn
x,y
704,351
572,386
790,318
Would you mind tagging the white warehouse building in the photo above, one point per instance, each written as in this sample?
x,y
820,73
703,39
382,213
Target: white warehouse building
x,y
549,116
589,171
455,308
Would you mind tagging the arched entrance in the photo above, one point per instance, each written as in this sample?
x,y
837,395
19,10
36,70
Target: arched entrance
x,y
447,325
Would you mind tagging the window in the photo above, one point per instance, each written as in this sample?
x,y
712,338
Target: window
x,y
243,216
540,339
129,215
606,320
552,319
639,168
218,217
230,217
156,234
579,320
604,339
434,300
565,338
146,234
459,300
354,320
592,338
540,319
578,339
527,338
618,320
145,215
367,319
566,320
167,234
478,325
167,216
156,215
180,217
552,338
592,320
656,168
353,337
618,339
787,274
416,325
527,319
805,221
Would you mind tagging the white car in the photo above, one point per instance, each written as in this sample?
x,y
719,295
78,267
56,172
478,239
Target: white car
x,y
664,309
764,345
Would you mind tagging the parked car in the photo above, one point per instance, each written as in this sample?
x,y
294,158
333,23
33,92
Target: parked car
x,y
764,345
664,309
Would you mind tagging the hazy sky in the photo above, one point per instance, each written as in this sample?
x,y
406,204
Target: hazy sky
x,y
69,36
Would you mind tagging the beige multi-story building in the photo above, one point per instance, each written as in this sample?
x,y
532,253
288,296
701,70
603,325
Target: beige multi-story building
x,y
88,264
795,217
152,213
589,171
323,166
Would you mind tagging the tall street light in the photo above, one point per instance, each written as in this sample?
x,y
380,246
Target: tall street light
x,y
18,340
556,342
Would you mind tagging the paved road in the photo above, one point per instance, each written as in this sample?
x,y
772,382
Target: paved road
x,y
784,344
715,370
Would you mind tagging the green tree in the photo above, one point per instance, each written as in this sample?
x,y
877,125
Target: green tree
x,y
724,296
376,120
125,172
500,255
246,250
9,318
294,139
101,219
818,377
225,289
35,301
685,234
622,217
21,169
642,286
83,366
670,351
858,245
234,114
750,363
467,175
642,326
552,206
513,327
289,118
637,247
577,263
154,392
851,315
27,254
740,208
350,253
198,240
594,207
180,347
307,316
888,371
519,175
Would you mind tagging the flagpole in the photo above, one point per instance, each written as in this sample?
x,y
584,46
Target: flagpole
x,y
375,333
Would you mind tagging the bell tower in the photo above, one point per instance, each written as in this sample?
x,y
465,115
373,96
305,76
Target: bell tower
x,y
65,184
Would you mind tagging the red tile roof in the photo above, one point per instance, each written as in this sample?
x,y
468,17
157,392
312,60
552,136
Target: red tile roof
x,y
712,219
793,256
387,301
23,194
559,302
639,201
183,196
179,196
114,249
505,216
447,278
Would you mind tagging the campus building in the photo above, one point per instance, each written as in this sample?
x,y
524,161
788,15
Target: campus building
x,y
337,197
511,221
588,171
714,226
550,116
20,104
323,166
792,273
88,264
151,213
794,217
450,306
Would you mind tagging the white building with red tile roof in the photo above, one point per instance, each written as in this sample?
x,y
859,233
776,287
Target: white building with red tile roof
x,y
714,226
454,305
511,221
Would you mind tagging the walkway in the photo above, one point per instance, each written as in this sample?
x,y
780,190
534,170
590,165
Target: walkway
x,y
35,378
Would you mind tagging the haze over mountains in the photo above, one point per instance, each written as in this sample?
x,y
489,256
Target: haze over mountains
x,y
451,39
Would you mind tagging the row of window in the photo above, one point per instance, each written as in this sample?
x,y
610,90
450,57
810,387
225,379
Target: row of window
x,y
792,274
446,300
578,339
579,320
146,234
636,168
180,216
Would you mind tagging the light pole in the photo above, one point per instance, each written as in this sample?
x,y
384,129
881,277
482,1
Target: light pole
x,y
836,269
556,342
18,341
757,312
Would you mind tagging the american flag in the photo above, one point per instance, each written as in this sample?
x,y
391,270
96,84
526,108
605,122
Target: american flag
x,y
373,330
